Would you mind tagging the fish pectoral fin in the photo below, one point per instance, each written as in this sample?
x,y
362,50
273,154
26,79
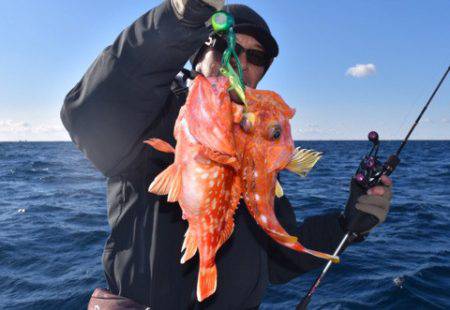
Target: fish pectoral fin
x,y
302,161
279,190
220,158
175,187
160,145
190,245
167,182
207,282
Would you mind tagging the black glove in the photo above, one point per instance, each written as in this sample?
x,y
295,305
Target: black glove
x,y
364,211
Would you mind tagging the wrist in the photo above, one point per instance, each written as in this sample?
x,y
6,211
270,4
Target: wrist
x,y
217,4
193,13
354,236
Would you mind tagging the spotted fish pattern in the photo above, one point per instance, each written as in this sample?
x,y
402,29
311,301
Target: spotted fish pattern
x,y
218,160
203,177
264,149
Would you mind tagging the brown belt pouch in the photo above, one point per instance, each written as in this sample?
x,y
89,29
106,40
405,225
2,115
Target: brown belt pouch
x,y
102,299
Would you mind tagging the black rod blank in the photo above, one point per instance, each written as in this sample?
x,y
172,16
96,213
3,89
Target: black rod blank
x,y
423,111
389,168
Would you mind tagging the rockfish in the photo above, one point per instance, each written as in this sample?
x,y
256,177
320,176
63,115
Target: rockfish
x,y
203,178
265,147
224,152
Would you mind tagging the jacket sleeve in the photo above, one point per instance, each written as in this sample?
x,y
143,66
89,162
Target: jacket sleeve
x,y
322,233
127,86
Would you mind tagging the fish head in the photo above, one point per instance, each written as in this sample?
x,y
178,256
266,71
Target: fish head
x,y
209,114
265,145
265,131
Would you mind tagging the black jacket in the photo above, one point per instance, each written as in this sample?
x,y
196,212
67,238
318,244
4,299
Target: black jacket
x,y
130,94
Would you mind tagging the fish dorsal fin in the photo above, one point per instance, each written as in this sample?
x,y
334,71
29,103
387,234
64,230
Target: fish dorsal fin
x,y
302,161
209,114
278,189
160,145
167,182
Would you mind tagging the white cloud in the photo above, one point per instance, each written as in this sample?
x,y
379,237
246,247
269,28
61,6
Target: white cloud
x,y
361,70
11,130
446,120
311,128
311,131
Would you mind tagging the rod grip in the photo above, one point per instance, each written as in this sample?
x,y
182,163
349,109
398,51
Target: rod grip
x,y
390,164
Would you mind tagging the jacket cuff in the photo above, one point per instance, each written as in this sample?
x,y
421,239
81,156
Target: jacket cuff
x,y
354,237
194,13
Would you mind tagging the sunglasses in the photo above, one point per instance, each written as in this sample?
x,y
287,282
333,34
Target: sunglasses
x,y
255,57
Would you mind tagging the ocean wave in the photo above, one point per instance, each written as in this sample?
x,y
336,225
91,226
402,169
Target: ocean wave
x,y
50,255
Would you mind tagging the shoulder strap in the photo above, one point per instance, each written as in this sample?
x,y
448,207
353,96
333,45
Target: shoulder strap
x,y
179,85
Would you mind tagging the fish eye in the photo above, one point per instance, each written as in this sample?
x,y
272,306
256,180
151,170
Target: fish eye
x,y
275,132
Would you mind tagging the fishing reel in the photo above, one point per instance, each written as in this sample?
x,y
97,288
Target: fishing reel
x,y
368,174
370,168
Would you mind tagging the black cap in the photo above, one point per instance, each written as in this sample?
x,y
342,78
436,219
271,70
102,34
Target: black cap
x,y
247,21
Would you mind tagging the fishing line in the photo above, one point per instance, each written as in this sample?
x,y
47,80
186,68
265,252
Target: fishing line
x,y
412,108
415,103
223,23
368,175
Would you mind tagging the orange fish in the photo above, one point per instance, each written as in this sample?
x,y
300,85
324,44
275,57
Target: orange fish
x,y
265,147
203,178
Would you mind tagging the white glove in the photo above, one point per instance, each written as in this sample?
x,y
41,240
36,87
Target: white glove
x,y
180,5
217,4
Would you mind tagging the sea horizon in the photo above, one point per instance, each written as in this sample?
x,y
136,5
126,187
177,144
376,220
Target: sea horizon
x,y
54,220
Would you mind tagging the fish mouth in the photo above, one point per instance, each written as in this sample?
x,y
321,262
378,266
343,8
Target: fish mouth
x,y
277,158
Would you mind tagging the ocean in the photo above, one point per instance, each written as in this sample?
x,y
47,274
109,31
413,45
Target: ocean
x,y
53,225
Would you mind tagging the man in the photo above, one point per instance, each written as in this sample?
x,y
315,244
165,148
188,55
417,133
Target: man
x,y
129,94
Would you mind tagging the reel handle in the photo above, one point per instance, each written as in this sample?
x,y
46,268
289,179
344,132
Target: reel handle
x,y
370,168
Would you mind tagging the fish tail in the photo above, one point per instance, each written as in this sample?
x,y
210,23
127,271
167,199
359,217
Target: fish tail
x,y
282,237
207,282
333,258
160,145
292,243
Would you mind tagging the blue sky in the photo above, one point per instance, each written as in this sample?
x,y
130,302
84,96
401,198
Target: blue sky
x,y
47,45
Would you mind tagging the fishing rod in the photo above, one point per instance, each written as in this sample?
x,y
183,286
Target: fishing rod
x,y
368,175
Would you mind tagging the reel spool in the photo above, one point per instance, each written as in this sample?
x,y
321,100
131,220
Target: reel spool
x,y
370,168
